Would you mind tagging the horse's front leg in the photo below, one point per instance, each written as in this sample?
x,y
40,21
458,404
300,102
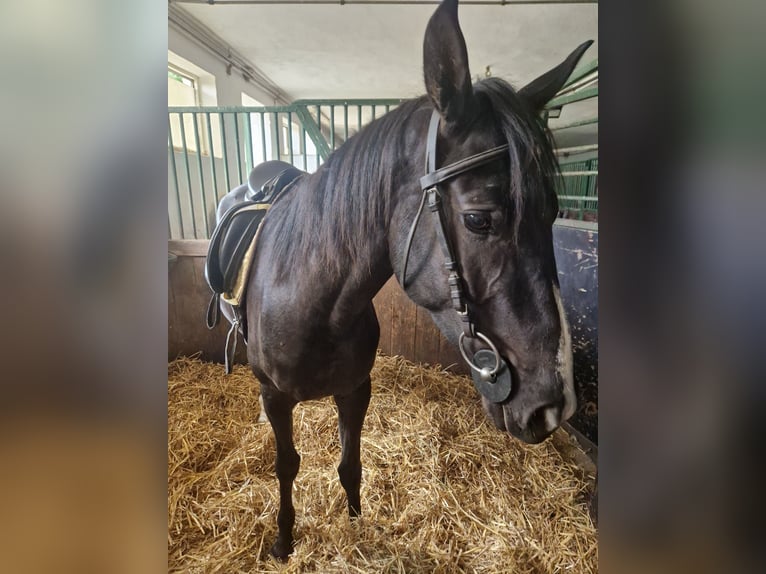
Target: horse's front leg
x,y
279,410
352,409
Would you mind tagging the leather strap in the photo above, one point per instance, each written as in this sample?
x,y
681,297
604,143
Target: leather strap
x,y
429,183
462,166
213,316
411,234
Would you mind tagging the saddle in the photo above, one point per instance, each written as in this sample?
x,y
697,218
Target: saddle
x,y
232,244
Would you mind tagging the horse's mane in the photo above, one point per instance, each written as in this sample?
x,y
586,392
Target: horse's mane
x,y
352,190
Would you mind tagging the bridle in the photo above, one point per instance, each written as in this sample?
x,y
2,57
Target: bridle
x,y
495,382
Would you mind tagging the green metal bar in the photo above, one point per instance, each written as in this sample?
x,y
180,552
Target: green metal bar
x,y
585,94
249,143
578,198
319,124
373,112
305,153
565,151
201,175
212,156
239,152
332,128
388,108
276,135
360,101
576,124
314,132
225,152
290,108
172,152
232,109
574,173
290,136
358,118
580,73
345,122
188,175
262,125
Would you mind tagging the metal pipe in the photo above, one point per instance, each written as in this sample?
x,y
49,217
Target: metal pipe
x,y
175,176
188,175
576,124
263,136
332,128
225,151
580,84
290,136
574,173
578,96
212,158
578,198
198,142
383,2
239,152
575,149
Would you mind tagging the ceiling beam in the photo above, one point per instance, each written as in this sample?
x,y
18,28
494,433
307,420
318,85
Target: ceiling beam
x,y
383,2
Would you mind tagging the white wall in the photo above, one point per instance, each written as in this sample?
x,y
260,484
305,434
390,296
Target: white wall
x,y
229,88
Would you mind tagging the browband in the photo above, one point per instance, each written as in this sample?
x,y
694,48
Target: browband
x,y
435,176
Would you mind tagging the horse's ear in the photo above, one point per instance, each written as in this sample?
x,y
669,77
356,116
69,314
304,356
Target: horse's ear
x,y
445,65
541,91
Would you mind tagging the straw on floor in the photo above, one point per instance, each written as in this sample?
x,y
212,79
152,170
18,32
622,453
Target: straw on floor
x,y
442,490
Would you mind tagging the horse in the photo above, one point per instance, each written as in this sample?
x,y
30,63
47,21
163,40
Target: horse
x,y
480,157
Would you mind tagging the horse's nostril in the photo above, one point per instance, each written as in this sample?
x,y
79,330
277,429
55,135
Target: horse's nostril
x,y
545,419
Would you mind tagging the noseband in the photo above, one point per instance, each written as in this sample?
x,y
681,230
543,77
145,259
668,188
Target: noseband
x,y
490,373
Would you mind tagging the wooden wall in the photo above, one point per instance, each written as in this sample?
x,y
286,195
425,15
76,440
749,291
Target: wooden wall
x,y
405,329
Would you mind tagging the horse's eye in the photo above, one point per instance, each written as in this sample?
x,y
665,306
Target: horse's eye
x,y
478,222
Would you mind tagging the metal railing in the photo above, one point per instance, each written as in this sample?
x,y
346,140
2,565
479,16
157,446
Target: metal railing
x,y
211,150
578,187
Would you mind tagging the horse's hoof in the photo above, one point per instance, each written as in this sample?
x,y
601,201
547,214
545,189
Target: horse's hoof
x,y
281,551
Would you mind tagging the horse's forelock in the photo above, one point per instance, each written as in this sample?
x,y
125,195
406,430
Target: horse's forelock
x,y
533,164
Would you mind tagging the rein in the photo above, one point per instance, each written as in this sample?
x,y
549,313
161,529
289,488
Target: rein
x,y
495,382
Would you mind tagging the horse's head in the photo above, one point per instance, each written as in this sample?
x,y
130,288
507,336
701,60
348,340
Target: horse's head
x,y
497,219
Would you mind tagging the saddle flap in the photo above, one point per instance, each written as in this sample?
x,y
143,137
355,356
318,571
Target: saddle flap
x,y
230,242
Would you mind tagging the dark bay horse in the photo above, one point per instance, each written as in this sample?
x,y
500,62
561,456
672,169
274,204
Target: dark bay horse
x,y
330,243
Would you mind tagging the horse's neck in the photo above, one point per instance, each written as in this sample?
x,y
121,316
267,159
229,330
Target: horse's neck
x,y
364,273
343,226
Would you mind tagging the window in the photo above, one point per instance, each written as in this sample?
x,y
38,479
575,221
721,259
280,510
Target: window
x,y
183,90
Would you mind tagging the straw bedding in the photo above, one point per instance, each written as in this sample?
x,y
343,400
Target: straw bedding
x,y
442,490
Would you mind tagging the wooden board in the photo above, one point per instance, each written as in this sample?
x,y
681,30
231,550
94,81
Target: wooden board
x,y
188,296
405,329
